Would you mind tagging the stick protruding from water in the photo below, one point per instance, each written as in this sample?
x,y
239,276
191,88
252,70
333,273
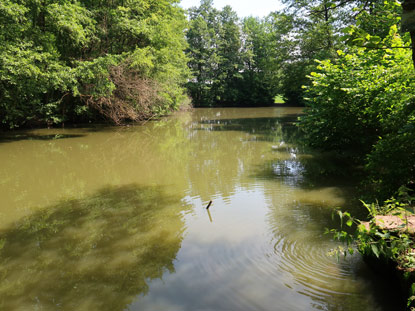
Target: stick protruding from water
x,y
209,204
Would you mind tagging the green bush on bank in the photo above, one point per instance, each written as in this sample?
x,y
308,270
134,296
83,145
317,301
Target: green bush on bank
x,y
60,60
365,102
389,243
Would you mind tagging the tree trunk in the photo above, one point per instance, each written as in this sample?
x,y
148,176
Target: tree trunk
x,y
326,19
408,22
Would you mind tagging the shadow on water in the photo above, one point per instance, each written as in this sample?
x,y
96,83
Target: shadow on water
x,y
60,133
97,253
8,138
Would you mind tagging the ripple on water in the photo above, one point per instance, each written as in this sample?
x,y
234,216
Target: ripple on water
x,y
314,273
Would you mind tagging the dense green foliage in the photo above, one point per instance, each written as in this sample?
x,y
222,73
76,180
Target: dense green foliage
x,y
365,101
67,60
313,34
234,62
250,61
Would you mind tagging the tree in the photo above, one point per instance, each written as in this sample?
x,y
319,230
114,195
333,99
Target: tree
x,y
234,62
408,22
203,57
229,56
363,102
261,55
67,60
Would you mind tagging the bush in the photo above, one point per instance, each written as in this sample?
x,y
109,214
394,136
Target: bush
x,y
365,102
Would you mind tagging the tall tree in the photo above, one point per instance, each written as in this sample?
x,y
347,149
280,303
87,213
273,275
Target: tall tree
x,y
262,64
202,51
230,62
234,62
408,22
315,33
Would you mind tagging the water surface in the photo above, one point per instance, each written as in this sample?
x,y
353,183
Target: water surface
x,y
106,218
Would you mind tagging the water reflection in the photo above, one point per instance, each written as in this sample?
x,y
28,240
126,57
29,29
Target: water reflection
x,y
97,253
80,235
22,135
261,128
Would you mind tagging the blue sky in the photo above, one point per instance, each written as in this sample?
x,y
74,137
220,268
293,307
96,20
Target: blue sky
x,y
244,8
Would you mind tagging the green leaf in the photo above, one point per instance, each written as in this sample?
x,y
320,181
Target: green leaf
x,y
375,250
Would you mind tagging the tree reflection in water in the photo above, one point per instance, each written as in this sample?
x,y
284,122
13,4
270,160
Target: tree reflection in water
x,y
97,253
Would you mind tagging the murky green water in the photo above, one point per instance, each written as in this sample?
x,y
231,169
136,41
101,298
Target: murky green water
x,y
114,219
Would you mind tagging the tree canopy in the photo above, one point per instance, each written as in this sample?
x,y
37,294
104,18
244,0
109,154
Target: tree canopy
x,y
235,62
364,100
81,60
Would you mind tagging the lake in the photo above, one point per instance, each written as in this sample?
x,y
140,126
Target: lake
x,y
115,218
